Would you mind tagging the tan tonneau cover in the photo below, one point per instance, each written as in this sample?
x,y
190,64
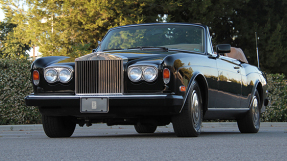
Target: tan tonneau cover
x,y
238,54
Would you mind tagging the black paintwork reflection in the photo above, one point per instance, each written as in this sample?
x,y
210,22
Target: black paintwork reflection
x,y
188,65
58,87
249,81
46,61
229,84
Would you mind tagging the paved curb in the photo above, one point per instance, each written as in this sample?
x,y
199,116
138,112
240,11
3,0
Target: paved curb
x,y
100,126
21,127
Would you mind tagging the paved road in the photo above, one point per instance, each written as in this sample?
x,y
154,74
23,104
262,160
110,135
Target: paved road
x,y
218,141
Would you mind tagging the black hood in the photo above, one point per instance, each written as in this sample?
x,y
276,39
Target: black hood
x,y
132,57
129,56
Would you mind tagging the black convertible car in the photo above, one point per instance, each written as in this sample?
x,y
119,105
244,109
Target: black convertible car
x,y
149,75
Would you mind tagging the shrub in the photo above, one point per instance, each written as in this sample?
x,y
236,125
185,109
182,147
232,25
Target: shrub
x,y
277,109
15,84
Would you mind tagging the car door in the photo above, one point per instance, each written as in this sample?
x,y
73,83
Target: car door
x,y
229,83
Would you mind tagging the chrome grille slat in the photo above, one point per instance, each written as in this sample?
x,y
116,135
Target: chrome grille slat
x,y
99,77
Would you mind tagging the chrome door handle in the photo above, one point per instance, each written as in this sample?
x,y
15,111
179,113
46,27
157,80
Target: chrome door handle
x,y
236,67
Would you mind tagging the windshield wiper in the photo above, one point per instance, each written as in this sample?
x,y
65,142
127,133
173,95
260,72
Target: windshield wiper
x,y
113,49
184,51
150,48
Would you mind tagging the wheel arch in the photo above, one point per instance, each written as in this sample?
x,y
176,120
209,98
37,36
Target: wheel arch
x,y
203,85
259,88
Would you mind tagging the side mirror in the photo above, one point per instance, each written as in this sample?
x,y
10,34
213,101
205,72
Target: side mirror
x,y
223,48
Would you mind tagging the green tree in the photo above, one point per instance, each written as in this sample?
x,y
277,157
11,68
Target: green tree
x,y
57,26
267,18
61,27
236,22
10,45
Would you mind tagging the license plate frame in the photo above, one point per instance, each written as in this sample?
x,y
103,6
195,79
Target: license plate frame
x,y
94,105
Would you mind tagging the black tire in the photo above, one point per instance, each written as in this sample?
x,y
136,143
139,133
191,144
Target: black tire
x,y
188,122
58,126
251,122
145,128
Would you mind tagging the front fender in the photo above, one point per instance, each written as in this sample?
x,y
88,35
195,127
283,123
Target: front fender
x,y
258,86
203,85
46,61
44,87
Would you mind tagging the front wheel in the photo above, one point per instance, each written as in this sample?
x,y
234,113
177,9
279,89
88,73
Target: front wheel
x,y
188,122
58,126
251,122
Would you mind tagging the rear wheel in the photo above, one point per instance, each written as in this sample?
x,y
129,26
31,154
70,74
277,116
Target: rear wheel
x,y
58,126
251,122
145,128
188,122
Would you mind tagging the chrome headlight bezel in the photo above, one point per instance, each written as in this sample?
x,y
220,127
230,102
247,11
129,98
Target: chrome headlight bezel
x,y
142,69
153,78
69,74
58,71
139,77
55,77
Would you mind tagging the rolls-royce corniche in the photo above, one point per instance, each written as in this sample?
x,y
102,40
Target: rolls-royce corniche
x,y
150,75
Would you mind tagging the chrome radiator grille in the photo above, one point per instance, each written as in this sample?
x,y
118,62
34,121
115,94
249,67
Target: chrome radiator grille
x,y
99,77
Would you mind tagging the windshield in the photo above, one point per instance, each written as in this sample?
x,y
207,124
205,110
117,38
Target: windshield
x,y
180,37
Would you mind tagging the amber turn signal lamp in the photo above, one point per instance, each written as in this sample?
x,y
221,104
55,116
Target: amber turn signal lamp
x,y
166,75
182,88
36,77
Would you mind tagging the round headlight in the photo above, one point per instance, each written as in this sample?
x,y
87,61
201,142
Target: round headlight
x,y
65,75
135,74
51,75
150,74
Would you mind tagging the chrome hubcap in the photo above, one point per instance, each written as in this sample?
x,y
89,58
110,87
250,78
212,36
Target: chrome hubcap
x,y
255,112
195,109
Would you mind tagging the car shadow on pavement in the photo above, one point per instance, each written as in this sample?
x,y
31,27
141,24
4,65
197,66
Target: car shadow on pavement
x,y
155,135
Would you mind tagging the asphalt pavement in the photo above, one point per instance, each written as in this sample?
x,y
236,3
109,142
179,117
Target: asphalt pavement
x,y
218,141
31,127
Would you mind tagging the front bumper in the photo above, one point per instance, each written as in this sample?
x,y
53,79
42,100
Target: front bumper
x,y
124,105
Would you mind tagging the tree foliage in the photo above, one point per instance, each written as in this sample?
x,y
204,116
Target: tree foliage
x,y
59,27
267,18
235,22
11,45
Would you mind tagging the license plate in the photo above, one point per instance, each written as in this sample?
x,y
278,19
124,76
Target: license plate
x,y
94,105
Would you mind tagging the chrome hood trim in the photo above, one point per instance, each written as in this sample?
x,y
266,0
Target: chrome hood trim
x,y
100,56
